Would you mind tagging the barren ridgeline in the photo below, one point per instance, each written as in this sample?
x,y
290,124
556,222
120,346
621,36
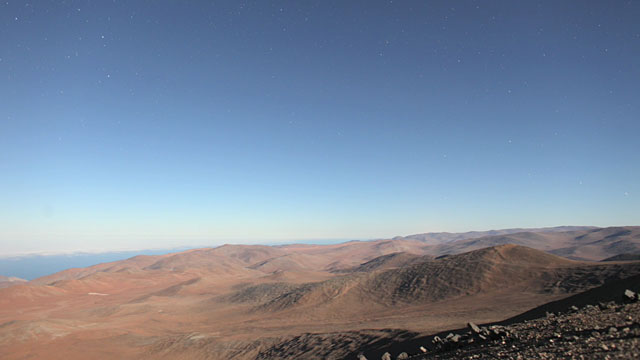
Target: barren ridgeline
x,y
305,301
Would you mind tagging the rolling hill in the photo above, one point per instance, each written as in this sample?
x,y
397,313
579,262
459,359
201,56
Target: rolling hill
x,y
6,281
248,302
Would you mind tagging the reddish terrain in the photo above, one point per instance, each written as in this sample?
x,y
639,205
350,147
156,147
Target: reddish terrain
x,y
301,301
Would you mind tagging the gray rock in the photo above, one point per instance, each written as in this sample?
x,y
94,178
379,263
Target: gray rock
x,y
592,308
630,296
474,328
484,331
386,356
403,356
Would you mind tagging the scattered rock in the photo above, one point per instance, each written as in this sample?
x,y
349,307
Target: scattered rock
x,y
386,356
403,356
474,328
605,331
630,296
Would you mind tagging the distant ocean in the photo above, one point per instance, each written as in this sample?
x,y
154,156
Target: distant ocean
x,y
30,267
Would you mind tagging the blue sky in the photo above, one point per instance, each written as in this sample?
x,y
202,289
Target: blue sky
x,y
151,124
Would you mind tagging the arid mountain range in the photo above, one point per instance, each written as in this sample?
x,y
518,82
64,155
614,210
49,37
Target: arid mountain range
x,y
304,301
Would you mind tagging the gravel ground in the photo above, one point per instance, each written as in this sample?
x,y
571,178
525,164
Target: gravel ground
x,y
603,331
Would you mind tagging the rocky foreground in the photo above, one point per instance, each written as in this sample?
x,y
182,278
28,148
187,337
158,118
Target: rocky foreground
x,y
608,330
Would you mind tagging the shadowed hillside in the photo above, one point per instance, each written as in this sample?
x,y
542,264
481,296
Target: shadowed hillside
x,y
481,271
300,301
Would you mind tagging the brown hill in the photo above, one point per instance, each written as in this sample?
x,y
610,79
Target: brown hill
x,y
393,260
489,270
295,262
578,243
592,244
6,281
444,237
350,254
135,263
239,301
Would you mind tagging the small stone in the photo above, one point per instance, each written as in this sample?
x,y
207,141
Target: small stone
x,y
361,357
605,347
403,356
474,328
591,308
423,349
386,356
630,296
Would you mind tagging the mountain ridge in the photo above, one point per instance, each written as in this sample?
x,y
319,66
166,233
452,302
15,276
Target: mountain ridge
x,y
239,301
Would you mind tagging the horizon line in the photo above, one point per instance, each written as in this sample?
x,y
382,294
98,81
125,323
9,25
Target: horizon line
x,y
267,242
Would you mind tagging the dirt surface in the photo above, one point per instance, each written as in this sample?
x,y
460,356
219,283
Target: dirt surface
x,y
259,302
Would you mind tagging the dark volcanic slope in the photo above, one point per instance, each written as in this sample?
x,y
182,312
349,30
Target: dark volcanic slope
x,y
491,269
482,271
